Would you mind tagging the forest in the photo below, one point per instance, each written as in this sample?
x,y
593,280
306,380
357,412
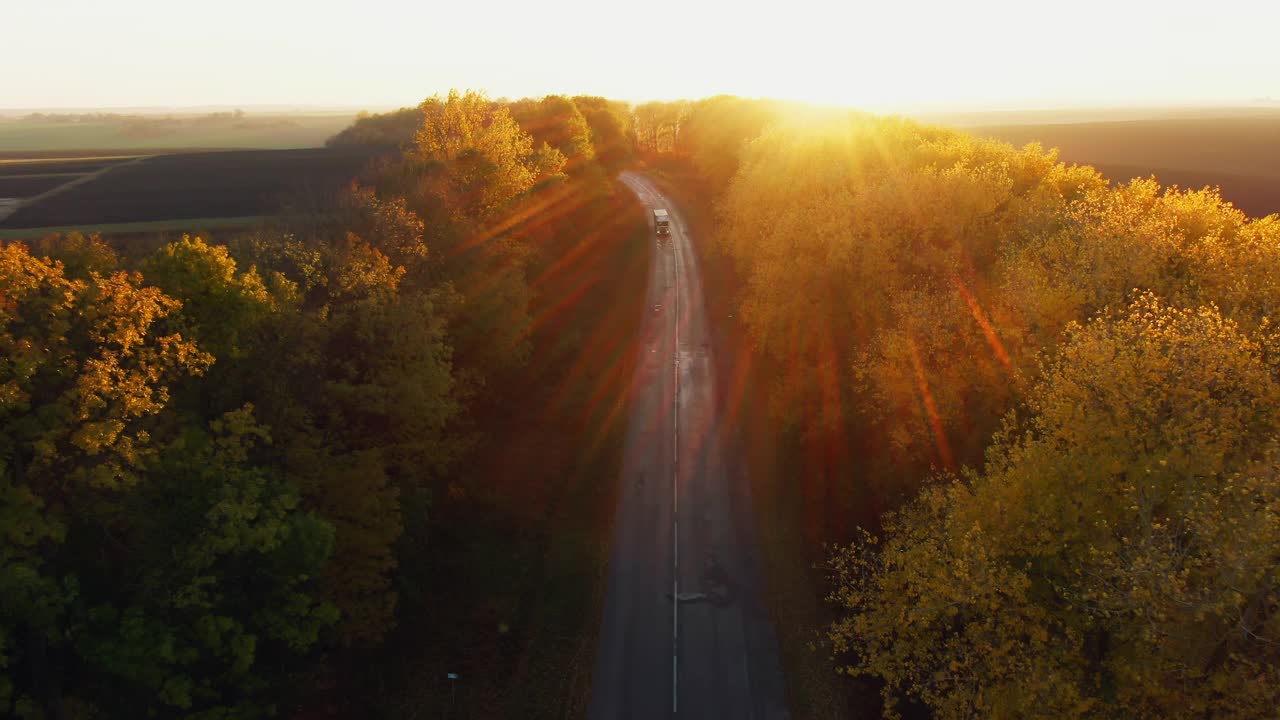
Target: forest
x,y
1028,421
307,470
1028,415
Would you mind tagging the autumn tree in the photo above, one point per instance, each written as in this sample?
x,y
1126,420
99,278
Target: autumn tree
x,y
612,136
485,159
556,121
219,301
477,167
658,125
225,467
149,565
717,131
357,385
904,284
866,248
79,254
1117,556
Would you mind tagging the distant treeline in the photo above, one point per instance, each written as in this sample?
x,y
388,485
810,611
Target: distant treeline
x,y
1037,414
314,468
143,126
206,118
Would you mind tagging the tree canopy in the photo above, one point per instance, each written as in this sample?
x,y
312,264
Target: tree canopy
x,y
232,473
1048,401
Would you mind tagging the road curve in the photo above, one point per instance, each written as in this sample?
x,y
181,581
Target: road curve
x,y
685,632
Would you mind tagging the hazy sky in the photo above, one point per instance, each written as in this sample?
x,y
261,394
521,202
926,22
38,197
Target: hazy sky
x,y
375,53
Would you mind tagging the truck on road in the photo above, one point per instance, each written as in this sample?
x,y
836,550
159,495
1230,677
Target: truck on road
x,y
661,223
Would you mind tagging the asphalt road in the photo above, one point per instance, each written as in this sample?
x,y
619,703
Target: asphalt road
x,y
685,631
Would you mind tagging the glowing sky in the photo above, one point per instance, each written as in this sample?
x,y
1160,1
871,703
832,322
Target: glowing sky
x,y
378,53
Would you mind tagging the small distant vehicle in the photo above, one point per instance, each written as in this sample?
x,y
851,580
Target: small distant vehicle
x,y
661,223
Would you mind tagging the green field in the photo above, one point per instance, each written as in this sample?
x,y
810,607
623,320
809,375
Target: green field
x,y
152,132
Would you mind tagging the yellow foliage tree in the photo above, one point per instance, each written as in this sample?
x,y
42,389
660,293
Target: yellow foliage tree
x,y
490,161
1118,556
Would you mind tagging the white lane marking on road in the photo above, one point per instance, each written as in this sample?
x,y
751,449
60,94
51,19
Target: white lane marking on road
x,y
675,493
650,195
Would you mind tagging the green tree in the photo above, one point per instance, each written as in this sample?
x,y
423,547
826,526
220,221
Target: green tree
x,y
359,390
220,302
148,564
217,595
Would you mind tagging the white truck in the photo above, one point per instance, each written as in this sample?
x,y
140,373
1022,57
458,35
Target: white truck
x,y
661,223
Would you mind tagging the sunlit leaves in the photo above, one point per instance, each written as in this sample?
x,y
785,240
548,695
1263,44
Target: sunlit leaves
x,y
612,137
86,364
1120,545
488,159
216,464
1113,553
126,533
557,122
220,302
